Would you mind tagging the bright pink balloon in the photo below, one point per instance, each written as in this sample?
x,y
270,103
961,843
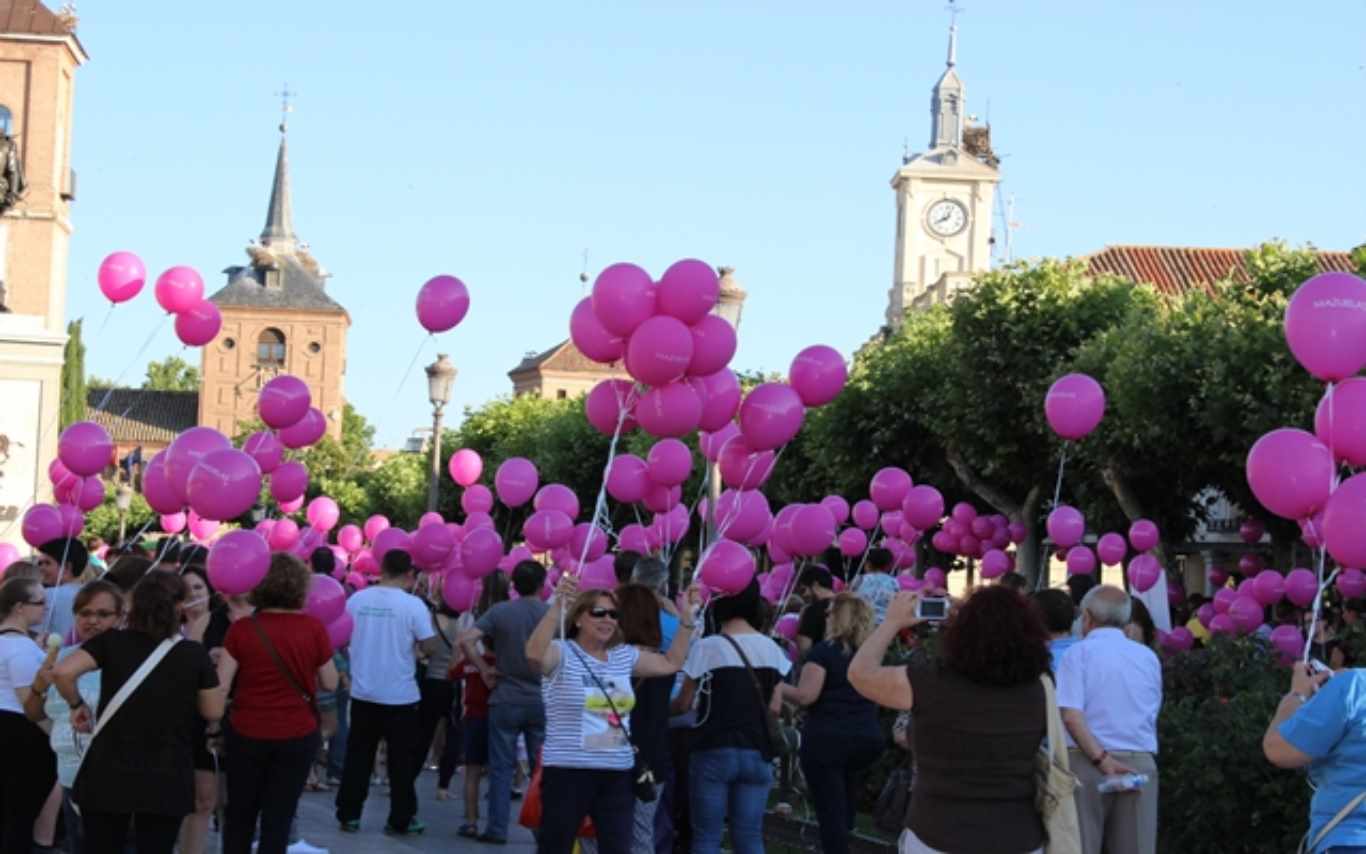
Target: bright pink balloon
x,y
283,401
1301,587
1345,435
1066,526
466,466
660,499
431,545
1112,548
624,297
1343,532
742,468
1268,587
388,540
237,562
1081,561
306,430
289,481
1325,325
1246,613
669,462
771,414
85,448
934,578
727,567
713,345
184,454
923,506
659,351
632,539
442,303
283,535
742,515
673,410
720,395
865,514
1351,583
1074,405
156,487
365,563
995,563
598,575
265,449
852,542
350,538
591,337
688,290
42,524
224,484
889,488
459,591
1144,570
557,496
121,276
172,523
588,541
199,324
481,551
323,513
476,498
339,630
813,530
70,521
1290,472
611,402
293,505
374,525
711,444
326,598
86,493
178,289
1144,535
1288,641
1178,639
818,374
627,478
547,529
837,507
516,481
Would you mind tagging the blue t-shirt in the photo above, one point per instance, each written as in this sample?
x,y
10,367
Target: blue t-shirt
x,y
668,627
1058,646
1331,728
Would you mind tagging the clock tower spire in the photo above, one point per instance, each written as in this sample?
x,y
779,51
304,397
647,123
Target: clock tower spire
x,y
946,101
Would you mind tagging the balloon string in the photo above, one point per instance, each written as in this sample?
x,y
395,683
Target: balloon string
x,y
1062,464
1318,603
877,528
108,314
136,356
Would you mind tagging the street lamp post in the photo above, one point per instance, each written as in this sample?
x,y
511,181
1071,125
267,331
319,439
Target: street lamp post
x,y
729,306
123,499
440,378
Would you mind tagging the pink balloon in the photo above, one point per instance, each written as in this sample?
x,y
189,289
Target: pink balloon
x,y
1143,535
42,524
818,374
889,488
283,401
388,540
476,498
673,525
982,528
627,478
199,324
1178,639
669,462
1246,614
964,513
156,487
742,468
1018,532
85,448
672,410
121,276
8,555
713,345
431,517
1290,472
771,415
852,542
624,297
1343,531
1144,570
350,538
431,545
591,337
172,523
237,562
70,521
293,505
516,481
306,430
442,303
1326,327
688,290
995,564
1345,434
1311,530
478,519
557,496
460,591
923,506
365,563
224,484
481,551
1223,598
178,289
1251,531
659,499
813,530
598,575
1351,583
1066,526
1074,405
741,516
86,493
588,541
466,466
865,514
1112,548
1268,587
727,567
934,578
787,626
289,481
323,513
720,395
1288,641
284,534
659,351
1301,587
374,525
326,599
1222,624
611,402
184,454
711,444
547,529
1082,561
339,630
632,539
263,447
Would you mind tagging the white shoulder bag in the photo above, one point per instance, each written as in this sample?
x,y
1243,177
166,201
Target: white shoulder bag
x,y
125,691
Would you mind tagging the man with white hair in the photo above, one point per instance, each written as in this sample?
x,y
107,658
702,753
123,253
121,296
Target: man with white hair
x,y
1110,691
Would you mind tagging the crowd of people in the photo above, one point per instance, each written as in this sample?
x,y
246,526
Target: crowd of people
x,y
137,704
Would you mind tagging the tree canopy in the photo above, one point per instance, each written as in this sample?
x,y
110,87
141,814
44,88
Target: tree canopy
x,y
171,374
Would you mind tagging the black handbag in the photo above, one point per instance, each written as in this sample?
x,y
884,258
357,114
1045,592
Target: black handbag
x,y
642,777
889,812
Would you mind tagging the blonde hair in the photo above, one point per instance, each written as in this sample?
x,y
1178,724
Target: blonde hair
x,y
851,620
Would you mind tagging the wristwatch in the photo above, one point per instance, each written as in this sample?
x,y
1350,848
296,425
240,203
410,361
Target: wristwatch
x,y
76,705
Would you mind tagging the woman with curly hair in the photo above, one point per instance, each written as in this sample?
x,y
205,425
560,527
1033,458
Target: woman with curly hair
x,y
978,723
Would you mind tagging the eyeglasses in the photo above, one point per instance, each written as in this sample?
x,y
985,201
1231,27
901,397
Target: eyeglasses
x,y
96,615
599,613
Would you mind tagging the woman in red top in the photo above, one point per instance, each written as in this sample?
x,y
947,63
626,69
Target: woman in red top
x,y
277,656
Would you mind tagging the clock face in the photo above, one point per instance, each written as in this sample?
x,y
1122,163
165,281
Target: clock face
x,y
946,218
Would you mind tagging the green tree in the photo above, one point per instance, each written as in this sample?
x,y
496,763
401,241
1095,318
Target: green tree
x,y
103,521
73,376
171,374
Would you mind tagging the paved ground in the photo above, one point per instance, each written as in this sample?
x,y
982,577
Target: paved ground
x,y
318,826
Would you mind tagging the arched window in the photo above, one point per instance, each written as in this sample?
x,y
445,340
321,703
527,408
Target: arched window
x,y
270,348
6,120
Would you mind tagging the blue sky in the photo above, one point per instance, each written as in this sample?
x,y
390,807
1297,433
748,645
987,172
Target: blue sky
x,y
498,142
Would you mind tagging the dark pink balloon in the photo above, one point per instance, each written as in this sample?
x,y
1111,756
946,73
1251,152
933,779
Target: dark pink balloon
x,y
459,591
627,478
1325,325
238,562
283,401
557,496
1074,405
865,514
1301,587
350,538
283,535
480,552
476,498
42,524
121,276
1144,571
156,487
390,539
673,410
263,447
442,303
714,344
289,481
1268,587
465,466
1288,641
659,351
923,506
89,494
339,630
1018,532
178,289
743,468
711,444
727,567
1143,535
818,374
1351,583
306,430
547,529
588,540
688,290
1291,472
813,530
611,402
720,395
224,484
741,516
660,499
838,508
516,481
1066,526
1345,434
771,415
198,324
982,528
1112,549
1246,613
184,454
889,487
431,545
852,542
632,539
1080,561
326,598
995,564
624,297
85,448
1343,531
1251,530
669,462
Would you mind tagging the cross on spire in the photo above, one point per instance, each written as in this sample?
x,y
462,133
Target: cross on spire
x,y
954,11
285,106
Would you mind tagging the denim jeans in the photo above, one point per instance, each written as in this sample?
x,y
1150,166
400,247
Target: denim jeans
x,y
729,782
336,745
506,721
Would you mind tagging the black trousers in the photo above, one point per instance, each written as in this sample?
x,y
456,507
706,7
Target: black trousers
x,y
265,780
832,779
397,727
569,794
453,756
438,696
26,776
107,832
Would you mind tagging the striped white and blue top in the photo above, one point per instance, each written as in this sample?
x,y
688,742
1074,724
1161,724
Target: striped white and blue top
x,y
580,731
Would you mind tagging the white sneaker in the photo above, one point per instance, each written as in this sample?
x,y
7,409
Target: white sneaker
x,y
302,847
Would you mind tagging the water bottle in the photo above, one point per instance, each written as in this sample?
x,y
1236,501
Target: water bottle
x,y
1122,783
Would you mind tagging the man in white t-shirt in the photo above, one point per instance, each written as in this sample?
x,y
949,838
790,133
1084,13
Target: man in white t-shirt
x,y
390,623
62,562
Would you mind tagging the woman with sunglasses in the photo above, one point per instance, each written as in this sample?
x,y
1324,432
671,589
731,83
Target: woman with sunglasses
x,y
98,607
29,768
587,760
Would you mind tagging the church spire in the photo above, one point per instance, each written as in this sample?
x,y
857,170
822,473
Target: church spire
x,y
279,230
946,103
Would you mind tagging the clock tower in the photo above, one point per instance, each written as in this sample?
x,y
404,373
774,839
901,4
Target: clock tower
x,y
944,202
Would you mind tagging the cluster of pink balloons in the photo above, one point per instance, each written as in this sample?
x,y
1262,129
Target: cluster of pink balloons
x,y
84,449
179,290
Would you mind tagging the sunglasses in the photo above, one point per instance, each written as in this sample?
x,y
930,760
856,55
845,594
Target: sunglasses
x,y
97,615
599,613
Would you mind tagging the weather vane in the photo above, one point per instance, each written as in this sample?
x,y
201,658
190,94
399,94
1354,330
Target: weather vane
x,y
285,106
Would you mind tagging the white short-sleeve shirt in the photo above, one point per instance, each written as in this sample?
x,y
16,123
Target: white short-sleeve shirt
x,y
1117,684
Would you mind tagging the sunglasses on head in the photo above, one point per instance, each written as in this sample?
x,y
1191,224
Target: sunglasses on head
x,y
600,612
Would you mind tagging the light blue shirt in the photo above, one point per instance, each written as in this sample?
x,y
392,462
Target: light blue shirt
x,y
1057,647
1331,728
877,589
63,738
668,627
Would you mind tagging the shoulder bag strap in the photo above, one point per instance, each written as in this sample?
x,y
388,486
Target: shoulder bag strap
x,y
758,689
125,691
603,688
1056,743
1336,820
294,682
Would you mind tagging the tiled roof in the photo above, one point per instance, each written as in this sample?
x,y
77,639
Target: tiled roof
x,y
30,17
1176,269
564,356
142,415
299,288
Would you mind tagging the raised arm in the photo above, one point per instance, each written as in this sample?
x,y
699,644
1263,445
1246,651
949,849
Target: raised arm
x,y
887,686
652,663
539,649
